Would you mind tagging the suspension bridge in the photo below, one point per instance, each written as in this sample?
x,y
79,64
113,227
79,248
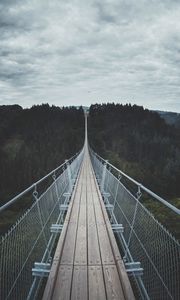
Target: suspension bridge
x,y
87,235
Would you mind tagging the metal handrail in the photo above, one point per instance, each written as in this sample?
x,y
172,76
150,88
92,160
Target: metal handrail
x,y
34,185
140,185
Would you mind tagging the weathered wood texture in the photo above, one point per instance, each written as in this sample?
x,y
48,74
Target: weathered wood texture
x,y
87,263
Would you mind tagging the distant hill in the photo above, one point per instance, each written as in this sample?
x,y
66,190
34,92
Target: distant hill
x,y
171,118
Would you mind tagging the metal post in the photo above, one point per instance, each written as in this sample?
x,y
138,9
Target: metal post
x,y
56,188
116,193
104,175
69,175
139,194
35,195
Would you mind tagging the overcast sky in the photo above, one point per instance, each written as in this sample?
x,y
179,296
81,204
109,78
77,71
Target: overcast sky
x,y
86,51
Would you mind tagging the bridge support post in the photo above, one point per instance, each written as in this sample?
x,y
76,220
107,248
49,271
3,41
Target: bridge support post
x,y
103,176
69,175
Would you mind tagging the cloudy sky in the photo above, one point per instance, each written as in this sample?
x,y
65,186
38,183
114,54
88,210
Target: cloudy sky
x,y
71,52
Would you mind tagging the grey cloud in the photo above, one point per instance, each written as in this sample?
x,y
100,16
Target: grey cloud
x,y
57,51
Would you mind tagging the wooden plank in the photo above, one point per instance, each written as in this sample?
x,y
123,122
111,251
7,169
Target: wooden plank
x,y
81,247
112,283
51,281
97,199
113,243
63,284
69,245
105,246
70,242
75,199
111,236
79,284
75,212
90,210
127,289
98,211
81,238
82,215
83,196
96,283
112,239
94,257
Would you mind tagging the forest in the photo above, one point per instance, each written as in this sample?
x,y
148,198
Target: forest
x,y
34,141
138,141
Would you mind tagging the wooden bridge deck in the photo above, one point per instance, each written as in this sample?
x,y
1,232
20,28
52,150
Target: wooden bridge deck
x,y
87,263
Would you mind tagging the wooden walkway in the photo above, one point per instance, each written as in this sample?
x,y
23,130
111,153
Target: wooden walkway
x,y
87,264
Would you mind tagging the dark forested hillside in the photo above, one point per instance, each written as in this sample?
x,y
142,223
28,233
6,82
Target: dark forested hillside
x,y
34,141
143,145
139,142
170,118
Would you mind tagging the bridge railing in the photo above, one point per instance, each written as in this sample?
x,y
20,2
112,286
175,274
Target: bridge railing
x,y
26,249
150,252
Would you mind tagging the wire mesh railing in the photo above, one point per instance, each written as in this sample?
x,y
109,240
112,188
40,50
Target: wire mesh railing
x,y
144,241
31,240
